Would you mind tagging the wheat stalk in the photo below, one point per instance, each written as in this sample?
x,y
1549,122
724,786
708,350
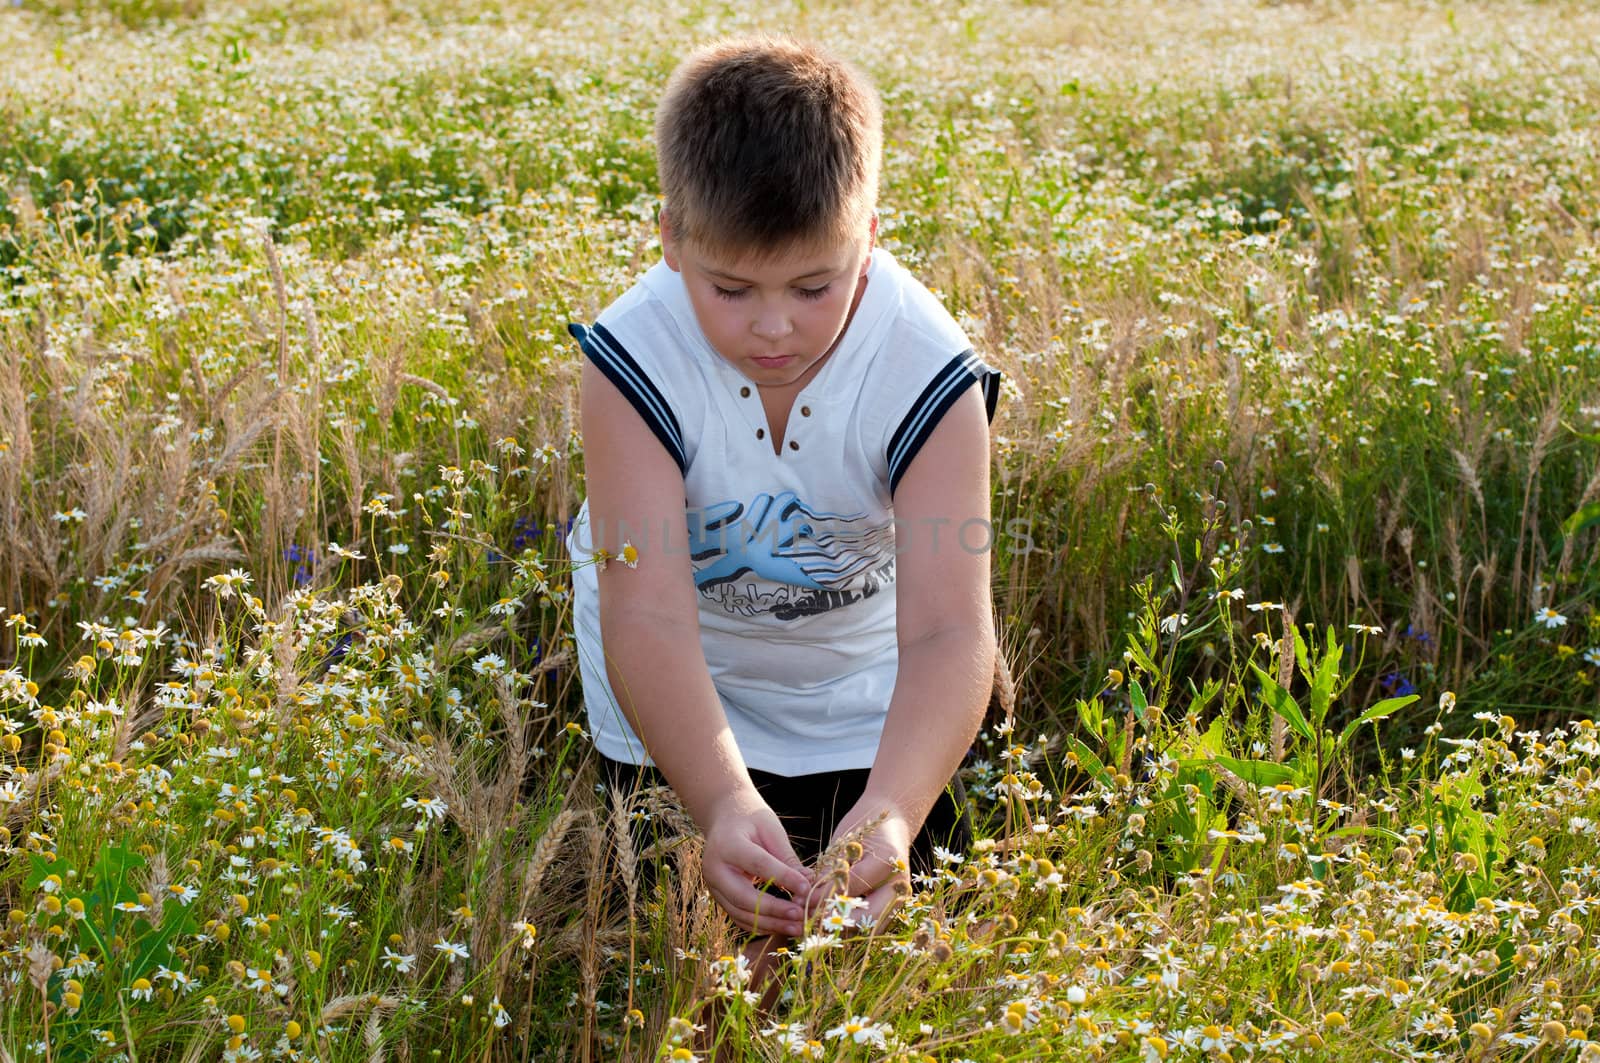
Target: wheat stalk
x,y
1591,491
215,550
1467,470
627,856
351,1003
1005,688
372,1034
1549,424
33,787
425,384
1280,726
544,854
589,950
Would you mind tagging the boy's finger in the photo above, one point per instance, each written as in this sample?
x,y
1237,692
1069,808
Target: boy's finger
x,y
881,901
775,840
866,876
734,889
758,917
869,875
765,865
762,922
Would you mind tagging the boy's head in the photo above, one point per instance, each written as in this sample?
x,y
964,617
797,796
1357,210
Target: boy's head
x,y
765,144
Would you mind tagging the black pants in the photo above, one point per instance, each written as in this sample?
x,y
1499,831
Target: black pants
x,y
810,806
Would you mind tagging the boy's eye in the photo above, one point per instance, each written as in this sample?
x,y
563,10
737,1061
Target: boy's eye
x,y
813,293
728,293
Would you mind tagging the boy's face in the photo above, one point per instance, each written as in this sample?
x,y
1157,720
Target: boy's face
x,y
773,317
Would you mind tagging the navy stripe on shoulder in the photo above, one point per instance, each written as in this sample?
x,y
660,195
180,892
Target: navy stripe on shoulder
x,y
612,359
962,371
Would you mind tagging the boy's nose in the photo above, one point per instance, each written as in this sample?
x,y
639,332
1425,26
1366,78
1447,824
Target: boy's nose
x,y
772,326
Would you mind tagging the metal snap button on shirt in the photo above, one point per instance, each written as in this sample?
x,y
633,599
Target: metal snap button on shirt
x,y
744,393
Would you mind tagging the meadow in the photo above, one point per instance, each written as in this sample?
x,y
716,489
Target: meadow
x,y
1295,753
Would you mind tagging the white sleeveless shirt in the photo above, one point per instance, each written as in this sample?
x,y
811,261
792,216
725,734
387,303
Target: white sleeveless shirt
x,y
793,554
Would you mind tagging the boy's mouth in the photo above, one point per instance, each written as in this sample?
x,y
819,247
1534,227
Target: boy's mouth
x,y
777,361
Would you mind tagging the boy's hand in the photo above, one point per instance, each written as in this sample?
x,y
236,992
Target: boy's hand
x,y
882,876
746,845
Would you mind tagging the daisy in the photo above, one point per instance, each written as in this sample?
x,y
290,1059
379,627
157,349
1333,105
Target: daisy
x,y
431,807
398,962
491,664
815,943
225,583
861,1030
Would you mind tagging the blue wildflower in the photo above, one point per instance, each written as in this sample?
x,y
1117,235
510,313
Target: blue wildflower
x,y
302,557
1396,685
1421,638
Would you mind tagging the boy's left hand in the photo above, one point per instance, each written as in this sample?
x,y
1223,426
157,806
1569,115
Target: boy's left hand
x,y
883,873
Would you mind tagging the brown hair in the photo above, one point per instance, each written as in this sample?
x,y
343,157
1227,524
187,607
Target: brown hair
x,y
765,142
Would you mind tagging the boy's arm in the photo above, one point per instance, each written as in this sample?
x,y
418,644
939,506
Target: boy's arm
x,y
945,631
650,627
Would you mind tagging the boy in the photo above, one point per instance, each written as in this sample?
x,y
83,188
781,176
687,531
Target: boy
x,y
813,648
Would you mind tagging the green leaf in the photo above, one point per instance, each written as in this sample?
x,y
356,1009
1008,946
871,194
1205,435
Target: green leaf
x,y
1280,701
157,947
43,869
1089,761
1368,831
1587,437
1136,695
1386,707
1260,772
1585,518
1141,658
1092,715
1322,683
111,878
1202,697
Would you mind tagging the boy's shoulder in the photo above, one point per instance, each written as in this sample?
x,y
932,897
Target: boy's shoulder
x,y
919,363
647,296
916,328
653,323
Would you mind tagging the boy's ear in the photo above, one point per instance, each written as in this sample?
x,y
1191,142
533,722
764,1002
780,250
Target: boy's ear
x,y
669,245
872,241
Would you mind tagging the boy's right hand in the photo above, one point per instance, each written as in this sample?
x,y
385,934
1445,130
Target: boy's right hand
x,y
746,845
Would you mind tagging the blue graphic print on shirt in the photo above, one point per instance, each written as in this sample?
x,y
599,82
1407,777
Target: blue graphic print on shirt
x,y
821,560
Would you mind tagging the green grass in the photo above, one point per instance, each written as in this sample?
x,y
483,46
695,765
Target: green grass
x,y
1297,305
